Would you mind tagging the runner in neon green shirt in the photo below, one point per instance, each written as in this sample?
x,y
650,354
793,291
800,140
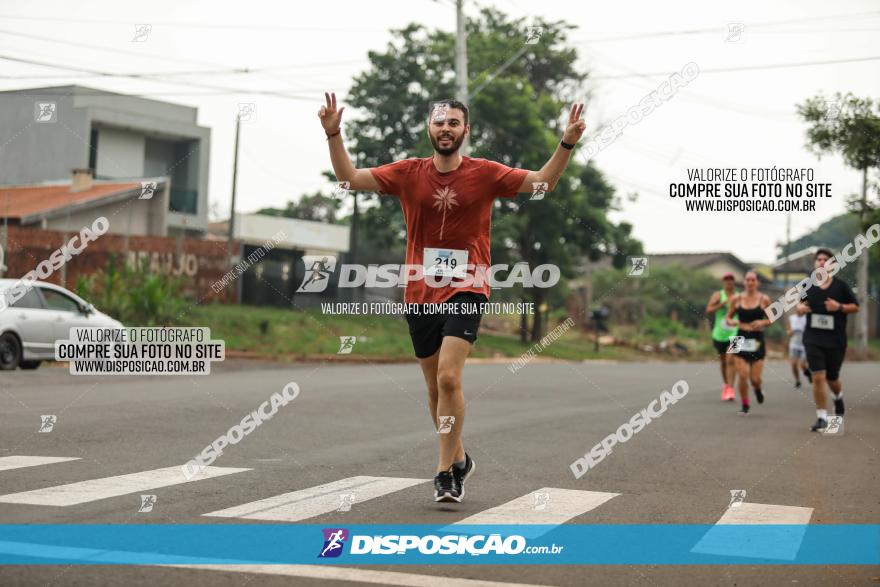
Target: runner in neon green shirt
x,y
721,333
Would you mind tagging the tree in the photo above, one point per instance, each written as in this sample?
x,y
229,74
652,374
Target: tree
x,y
850,126
836,233
515,119
672,290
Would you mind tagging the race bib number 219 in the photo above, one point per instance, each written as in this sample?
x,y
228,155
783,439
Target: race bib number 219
x,y
445,262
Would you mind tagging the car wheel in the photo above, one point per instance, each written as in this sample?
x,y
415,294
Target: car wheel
x,y
10,351
30,365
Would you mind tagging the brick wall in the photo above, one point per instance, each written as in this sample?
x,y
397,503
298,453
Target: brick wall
x,y
199,262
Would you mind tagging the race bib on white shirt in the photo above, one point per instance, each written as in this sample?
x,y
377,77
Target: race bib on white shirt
x,y
822,321
445,262
750,345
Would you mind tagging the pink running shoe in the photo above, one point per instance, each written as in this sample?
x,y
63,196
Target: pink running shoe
x,y
728,394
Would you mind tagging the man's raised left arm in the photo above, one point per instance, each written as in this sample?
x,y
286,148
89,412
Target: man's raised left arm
x,y
553,169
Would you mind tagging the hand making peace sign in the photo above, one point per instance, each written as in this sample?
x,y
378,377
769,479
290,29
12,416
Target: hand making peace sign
x,y
331,118
576,125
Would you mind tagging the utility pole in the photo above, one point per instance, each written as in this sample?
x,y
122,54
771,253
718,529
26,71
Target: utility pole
x,y
66,237
461,73
787,248
862,278
231,234
357,293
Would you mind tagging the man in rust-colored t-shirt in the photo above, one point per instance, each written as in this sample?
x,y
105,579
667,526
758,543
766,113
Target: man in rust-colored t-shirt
x,y
447,204
450,212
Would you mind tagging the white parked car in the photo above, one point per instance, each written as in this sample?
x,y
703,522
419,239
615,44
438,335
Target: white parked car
x,y
30,326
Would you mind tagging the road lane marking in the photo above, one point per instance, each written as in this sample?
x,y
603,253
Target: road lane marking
x,y
315,501
559,506
782,543
362,576
96,489
20,461
535,513
759,513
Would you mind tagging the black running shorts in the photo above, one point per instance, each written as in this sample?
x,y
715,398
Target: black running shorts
x,y
427,329
721,346
754,356
827,359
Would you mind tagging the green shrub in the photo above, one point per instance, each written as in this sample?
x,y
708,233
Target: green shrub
x,y
135,296
662,327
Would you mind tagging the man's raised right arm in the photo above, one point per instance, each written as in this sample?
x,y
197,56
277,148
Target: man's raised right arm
x,y
331,120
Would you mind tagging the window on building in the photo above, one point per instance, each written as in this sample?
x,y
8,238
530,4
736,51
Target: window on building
x,y
93,150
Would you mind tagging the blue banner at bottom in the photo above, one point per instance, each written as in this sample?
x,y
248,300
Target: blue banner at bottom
x,y
375,544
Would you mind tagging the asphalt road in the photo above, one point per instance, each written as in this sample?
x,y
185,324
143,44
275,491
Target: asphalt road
x,y
523,429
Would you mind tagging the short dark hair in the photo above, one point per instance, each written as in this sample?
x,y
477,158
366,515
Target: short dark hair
x,y
451,104
823,250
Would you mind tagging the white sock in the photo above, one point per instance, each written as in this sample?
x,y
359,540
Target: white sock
x,y
822,414
837,395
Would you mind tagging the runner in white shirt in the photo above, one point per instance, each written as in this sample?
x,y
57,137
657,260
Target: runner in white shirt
x,y
797,354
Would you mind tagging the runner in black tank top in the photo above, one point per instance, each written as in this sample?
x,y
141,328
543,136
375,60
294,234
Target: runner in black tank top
x,y
751,320
746,316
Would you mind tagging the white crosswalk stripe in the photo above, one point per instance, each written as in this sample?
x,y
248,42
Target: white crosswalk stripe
x,y
782,544
759,513
548,506
96,489
21,461
315,501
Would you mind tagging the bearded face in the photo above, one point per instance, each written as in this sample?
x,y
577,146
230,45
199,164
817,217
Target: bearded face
x,y
446,129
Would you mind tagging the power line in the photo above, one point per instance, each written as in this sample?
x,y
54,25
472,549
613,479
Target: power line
x,y
116,51
225,71
156,79
142,74
742,68
715,29
693,96
195,25
498,71
261,71
231,71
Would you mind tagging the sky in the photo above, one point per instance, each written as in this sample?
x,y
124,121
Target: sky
x,y
738,112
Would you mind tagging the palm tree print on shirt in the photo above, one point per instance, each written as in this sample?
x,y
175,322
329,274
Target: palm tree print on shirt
x,y
444,200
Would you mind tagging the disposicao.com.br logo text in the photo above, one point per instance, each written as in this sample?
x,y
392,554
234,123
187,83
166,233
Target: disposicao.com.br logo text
x,y
334,541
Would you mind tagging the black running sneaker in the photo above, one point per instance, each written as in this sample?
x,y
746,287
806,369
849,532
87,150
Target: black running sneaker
x,y
797,384
838,406
821,424
447,487
744,411
759,395
462,474
809,375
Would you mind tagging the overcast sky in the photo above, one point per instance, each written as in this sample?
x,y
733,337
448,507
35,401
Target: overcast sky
x,y
727,118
